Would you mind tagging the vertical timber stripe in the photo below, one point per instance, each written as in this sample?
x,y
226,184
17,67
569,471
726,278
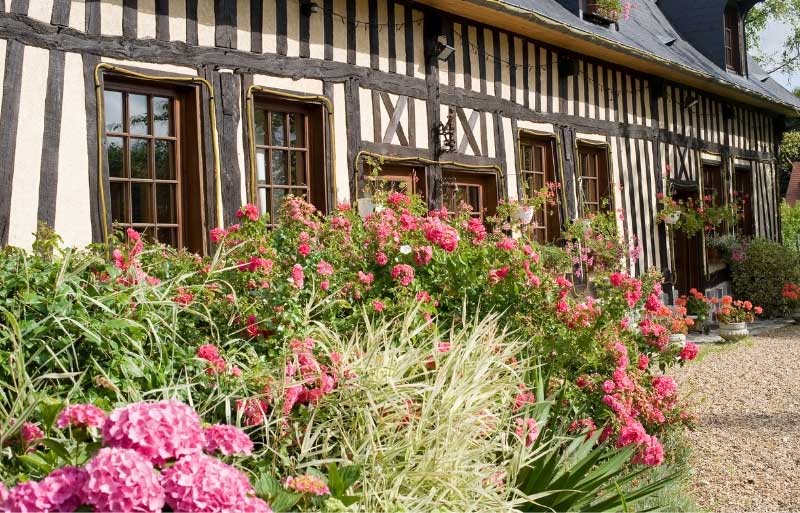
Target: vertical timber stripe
x,y
20,6
48,179
353,118
225,23
9,119
281,28
305,34
256,26
482,61
392,39
162,20
208,156
408,14
330,178
328,30
130,11
89,64
247,81
228,87
191,23
374,42
93,17
60,16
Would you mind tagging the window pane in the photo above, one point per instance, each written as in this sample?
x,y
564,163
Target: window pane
x,y
277,202
259,129
115,155
263,200
112,104
140,123
162,116
165,160
168,236
300,193
538,181
539,159
279,168
278,129
299,168
165,203
140,150
297,128
474,198
526,157
141,203
119,209
261,165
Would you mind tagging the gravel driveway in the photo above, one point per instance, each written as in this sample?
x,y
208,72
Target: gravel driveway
x,y
746,448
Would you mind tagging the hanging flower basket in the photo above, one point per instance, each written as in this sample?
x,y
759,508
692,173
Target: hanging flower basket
x,y
672,217
524,214
606,11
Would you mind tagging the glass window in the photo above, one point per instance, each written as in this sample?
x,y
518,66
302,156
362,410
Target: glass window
x,y
538,172
594,185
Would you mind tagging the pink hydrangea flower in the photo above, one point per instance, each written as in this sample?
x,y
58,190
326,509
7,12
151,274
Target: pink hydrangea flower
x,y
122,480
198,482
31,433
307,484
58,492
664,386
80,416
159,431
228,440
631,433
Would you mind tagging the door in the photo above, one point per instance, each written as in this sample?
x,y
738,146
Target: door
x,y
478,190
686,250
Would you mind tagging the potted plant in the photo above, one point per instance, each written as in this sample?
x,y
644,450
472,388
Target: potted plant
x,y
679,325
791,293
670,212
733,316
533,200
697,307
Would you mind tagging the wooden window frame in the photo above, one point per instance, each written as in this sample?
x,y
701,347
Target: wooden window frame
x,y
314,134
733,39
602,183
488,183
185,135
551,228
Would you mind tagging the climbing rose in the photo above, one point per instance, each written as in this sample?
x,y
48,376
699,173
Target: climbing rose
x,y
81,415
689,351
228,440
665,386
217,234
403,273
440,233
324,268
506,243
378,306
527,430
159,431
644,362
423,255
651,453
631,433
298,276
198,482
122,480
250,211
307,484
58,492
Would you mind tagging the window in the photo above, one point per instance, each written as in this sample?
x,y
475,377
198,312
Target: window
x,y
733,39
478,190
289,151
405,179
743,188
594,186
155,179
538,171
713,189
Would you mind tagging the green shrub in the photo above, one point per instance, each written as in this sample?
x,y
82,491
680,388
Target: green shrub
x,y
760,275
790,225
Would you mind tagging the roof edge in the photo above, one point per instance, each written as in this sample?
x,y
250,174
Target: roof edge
x,y
517,19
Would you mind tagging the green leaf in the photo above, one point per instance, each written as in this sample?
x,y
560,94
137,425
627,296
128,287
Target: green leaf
x,y
130,368
284,500
36,461
57,448
267,486
349,500
350,475
49,410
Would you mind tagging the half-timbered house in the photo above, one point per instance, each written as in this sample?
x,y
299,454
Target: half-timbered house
x,y
167,115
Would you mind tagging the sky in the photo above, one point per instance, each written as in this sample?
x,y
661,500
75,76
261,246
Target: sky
x,y
771,40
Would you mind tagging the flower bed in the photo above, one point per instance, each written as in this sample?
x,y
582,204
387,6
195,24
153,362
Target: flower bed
x,y
329,335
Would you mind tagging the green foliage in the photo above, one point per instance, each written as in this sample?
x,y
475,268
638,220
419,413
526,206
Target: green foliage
x,y
790,149
790,225
786,12
762,272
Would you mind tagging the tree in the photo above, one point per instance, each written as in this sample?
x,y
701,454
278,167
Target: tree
x,y
787,59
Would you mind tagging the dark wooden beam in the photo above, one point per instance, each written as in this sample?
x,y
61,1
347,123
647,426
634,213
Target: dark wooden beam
x,y
48,174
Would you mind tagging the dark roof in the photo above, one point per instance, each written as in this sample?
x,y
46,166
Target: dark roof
x,y
649,30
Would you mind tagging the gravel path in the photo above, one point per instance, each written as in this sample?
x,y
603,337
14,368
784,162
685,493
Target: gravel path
x,y
746,448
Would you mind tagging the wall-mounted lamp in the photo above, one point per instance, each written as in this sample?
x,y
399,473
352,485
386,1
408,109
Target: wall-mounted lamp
x,y
446,134
442,50
308,8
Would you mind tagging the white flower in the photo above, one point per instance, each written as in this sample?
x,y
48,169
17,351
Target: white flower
x,y
405,249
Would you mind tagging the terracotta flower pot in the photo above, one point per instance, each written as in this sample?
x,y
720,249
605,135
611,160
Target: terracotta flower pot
x,y
734,331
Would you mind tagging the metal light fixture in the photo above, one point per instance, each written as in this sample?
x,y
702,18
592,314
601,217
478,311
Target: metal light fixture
x,y
308,8
446,134
442,50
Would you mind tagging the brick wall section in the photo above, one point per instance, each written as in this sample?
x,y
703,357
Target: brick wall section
x,y
793,191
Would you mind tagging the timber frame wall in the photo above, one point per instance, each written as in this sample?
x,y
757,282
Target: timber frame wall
x,y
370,59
